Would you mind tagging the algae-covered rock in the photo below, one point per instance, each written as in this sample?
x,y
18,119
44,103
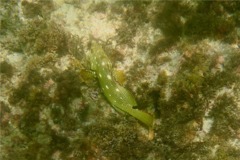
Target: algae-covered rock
x,y
179,59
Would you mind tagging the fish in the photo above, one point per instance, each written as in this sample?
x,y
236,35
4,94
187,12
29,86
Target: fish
x,y
118,96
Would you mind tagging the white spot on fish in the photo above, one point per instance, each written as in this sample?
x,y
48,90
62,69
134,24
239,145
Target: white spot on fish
x,y
107,87
100,75
109,77
117,90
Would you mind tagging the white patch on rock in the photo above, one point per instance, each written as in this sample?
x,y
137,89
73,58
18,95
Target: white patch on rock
x,y
64,63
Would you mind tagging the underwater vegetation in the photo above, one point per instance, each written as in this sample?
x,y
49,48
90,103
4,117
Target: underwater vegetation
x,y
180,62
193,21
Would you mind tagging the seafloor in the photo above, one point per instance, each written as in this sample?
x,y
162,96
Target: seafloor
x,y
179,59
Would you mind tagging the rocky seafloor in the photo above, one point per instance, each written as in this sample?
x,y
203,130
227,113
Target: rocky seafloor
x,y
179,59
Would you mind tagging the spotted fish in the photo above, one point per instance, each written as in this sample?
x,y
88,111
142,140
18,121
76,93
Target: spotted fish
x,y
119,97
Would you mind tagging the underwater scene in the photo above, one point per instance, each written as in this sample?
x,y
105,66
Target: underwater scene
x,y
119,80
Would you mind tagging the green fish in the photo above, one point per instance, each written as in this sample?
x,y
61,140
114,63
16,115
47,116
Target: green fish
x,y
119,97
